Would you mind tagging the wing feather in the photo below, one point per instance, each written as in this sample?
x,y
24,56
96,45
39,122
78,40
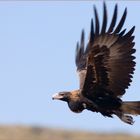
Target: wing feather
x,y
97,25
104,19
119,27
114,19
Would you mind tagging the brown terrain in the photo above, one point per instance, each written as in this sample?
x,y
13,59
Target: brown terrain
x,y
39,133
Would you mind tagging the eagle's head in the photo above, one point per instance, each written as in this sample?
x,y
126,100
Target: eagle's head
x,y
63,96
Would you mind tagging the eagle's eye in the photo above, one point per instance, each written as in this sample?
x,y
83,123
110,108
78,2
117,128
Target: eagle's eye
x,y
61,94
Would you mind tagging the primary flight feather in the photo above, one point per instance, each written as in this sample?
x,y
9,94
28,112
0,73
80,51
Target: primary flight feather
x,y
105,67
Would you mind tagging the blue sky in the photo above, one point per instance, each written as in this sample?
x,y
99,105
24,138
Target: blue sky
x,y
37,49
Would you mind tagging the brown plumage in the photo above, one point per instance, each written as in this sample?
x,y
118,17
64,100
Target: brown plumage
x,y
105,69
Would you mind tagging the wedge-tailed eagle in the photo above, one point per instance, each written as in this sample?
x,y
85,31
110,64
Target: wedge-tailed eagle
x,y
105,67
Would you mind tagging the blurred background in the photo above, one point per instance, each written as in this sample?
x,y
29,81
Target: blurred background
x,y
37,52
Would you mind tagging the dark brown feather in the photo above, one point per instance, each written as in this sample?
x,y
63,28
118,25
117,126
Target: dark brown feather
x,y
104,19
97,24
114,19
119,27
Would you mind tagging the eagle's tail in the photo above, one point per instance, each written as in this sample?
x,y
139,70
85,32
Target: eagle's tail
x,y
132,108
129,108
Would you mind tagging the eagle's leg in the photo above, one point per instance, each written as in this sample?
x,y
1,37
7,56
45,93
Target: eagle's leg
x,y
89,105
125,118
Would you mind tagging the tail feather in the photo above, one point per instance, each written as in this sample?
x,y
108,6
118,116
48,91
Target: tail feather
x,y
132,108
127,109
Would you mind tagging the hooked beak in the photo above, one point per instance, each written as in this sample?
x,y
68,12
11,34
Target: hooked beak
x,y
57,97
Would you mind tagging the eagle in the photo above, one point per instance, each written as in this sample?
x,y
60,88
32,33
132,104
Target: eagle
x,y
105,67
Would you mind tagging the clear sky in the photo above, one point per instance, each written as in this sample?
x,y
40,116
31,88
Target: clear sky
x,y
37,49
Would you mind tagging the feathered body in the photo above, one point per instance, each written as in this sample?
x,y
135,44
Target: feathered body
x,y
105,67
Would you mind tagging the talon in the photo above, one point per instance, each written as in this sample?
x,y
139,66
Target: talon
x,y
127,119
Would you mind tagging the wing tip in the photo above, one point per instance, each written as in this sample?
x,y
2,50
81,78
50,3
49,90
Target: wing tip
x,y
104,24
114,19
82,36
91,32
97,23
121,22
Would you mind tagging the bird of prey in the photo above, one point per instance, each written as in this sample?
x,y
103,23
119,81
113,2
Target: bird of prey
x,y
105,67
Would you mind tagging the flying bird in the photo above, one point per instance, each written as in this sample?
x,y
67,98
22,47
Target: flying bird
x,y
105,67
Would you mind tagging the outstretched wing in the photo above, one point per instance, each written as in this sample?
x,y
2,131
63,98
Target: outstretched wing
x,y
108,59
